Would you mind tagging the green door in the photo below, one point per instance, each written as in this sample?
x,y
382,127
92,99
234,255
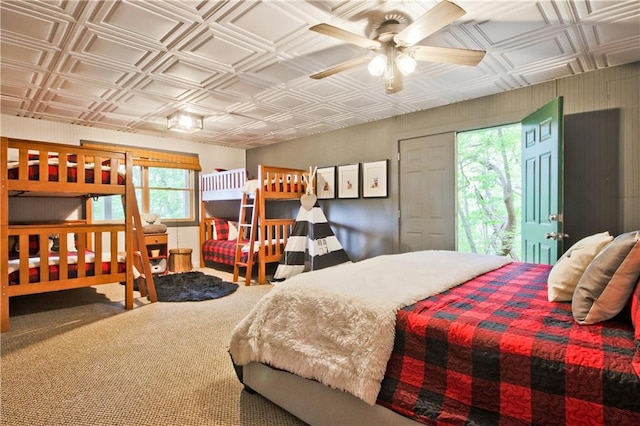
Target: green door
x,y
542,227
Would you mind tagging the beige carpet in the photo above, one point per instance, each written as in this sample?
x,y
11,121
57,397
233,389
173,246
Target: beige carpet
x,y
78,358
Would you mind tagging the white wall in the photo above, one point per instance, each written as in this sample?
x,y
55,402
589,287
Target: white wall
x,y
211,156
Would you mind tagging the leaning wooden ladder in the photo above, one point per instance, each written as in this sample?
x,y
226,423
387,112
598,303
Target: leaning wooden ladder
x,y
247,223
141,257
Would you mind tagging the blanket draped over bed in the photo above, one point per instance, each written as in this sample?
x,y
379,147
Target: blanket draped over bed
x,y
339,324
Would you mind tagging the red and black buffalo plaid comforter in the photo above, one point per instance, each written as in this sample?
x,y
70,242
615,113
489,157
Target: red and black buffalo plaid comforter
x,y
54,272
221,251
494,351
72,173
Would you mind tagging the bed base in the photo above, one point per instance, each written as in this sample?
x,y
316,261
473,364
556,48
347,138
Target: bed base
x,y
315,403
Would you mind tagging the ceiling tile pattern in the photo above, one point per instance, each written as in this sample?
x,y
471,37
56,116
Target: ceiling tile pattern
x,y
245,65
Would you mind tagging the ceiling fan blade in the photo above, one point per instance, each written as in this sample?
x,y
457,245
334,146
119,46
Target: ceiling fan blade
x,y
341,67
349,37
436,18
447,55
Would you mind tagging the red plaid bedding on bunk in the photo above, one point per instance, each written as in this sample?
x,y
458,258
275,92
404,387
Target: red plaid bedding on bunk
x,y
54,272
221,251
72,174
494,351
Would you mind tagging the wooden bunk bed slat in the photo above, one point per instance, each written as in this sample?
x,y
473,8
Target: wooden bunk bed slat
x,y
103,176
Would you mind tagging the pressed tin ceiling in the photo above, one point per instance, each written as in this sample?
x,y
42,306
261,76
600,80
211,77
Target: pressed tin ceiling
x,y
245,65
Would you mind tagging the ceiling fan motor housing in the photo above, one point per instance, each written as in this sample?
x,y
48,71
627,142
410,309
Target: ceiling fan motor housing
x,y
385,32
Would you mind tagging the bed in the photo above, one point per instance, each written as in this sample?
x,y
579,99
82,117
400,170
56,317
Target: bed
x,y
219,236
30,261
489,349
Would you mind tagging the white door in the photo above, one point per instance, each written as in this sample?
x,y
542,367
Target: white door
x,y
427,193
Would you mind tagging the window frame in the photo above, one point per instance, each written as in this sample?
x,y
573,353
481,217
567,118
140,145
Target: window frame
x,y
150,158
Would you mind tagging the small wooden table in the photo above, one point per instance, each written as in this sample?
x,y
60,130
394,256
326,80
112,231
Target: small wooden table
x,y
157,250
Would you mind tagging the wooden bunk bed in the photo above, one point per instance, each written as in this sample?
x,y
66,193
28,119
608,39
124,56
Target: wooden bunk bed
x,y
41,169
267,236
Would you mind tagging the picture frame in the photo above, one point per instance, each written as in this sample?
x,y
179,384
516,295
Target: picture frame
x,y
349,181
326,183
374,179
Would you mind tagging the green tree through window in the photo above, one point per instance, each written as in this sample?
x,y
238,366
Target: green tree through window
x,y
167,192
489,191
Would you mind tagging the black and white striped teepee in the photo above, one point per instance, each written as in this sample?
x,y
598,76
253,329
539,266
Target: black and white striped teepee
x,y
312,245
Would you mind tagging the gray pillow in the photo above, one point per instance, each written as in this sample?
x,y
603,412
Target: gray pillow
x,y
608,281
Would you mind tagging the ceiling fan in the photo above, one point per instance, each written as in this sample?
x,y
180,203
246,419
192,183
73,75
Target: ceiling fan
x,y
395,43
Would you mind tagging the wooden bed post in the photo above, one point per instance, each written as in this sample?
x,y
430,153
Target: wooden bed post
x,y
4,237
202,229
129,199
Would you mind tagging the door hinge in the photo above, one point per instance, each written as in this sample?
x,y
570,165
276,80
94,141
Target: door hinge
x,y
398,156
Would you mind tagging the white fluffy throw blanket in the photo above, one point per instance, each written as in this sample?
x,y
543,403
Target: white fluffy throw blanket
x,y
337,325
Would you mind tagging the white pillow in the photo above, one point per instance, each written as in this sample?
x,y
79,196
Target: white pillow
x,y
233,231
568,270
71,242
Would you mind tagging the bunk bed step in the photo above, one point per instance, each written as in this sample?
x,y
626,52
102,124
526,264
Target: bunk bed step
x,y
247,220
145,283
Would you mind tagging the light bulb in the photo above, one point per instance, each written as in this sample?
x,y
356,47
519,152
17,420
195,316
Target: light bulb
x,y
186,122
406,64
377,65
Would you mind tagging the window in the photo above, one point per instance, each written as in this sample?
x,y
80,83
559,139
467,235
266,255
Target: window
x,y
164,186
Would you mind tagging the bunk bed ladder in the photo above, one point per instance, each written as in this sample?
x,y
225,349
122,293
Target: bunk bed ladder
x,y
247,223
141,257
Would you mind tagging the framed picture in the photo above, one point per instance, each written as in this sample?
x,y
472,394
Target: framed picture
x,y
326,183
348,181
374,179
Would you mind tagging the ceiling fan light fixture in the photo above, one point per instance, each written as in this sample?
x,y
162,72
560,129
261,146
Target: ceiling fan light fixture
x,y
377,65
184,122
406,64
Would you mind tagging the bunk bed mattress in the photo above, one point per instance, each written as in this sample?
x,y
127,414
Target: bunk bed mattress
x,y
494,351
54,267
224,251
72,172
221,251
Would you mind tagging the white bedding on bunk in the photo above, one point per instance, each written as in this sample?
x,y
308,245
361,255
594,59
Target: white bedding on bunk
x,y
34,262
257,245
337,325
250,186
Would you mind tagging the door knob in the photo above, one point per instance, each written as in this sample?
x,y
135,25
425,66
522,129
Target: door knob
x,y
556,236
